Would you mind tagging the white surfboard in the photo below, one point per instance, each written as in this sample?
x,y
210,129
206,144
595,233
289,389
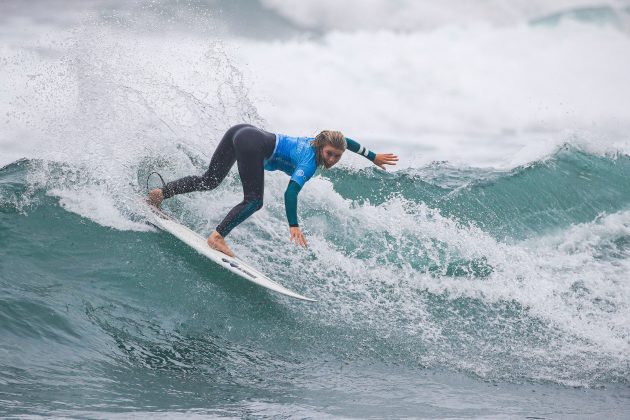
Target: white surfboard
x,y
169,224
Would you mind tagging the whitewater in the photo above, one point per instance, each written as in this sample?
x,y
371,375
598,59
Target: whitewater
x,y
487,275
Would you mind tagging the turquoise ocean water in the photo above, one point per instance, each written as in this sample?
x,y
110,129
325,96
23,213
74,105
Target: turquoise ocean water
x,y
487,277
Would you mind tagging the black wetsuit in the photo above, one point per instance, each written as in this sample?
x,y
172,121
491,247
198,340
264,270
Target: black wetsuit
x,y
246,145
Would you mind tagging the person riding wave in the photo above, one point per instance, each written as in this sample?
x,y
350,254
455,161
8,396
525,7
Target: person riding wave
x,y
254,151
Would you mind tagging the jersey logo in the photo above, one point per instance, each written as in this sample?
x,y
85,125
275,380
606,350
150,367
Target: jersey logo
x,y
299,172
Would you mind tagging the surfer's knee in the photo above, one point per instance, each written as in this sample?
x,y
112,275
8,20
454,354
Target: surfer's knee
x,y
251,205
256,204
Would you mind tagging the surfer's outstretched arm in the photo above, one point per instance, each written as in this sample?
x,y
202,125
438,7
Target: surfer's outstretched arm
x,y
290,206
379,159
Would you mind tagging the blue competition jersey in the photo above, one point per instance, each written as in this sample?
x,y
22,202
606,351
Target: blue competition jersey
x,y
295,156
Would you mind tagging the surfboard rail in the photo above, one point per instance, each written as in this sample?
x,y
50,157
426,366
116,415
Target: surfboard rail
x,y
237,266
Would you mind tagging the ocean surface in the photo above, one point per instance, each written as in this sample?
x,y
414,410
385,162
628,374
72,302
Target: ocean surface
x,y
486,276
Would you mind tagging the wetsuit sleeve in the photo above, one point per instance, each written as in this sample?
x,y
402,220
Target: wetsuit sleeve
x,y
290,202
355,147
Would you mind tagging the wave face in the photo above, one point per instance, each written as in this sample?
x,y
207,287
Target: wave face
x,y
464,270
487,276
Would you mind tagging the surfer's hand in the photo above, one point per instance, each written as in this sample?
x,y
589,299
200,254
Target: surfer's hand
x,y
297,236
383,159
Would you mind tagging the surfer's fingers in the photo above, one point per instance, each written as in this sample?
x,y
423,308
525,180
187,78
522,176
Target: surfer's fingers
x,y
295,238
385,159
300,240
298,237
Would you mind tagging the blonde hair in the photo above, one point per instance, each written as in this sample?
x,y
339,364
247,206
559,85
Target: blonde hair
x,y
328,137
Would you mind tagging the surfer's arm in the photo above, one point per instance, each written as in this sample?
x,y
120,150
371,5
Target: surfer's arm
x,y
290,203
290,206
355,147
379,159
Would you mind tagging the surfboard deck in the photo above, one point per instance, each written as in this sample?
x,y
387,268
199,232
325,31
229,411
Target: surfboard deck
x,y
169,224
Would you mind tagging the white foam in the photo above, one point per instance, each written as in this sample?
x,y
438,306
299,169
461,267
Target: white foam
x,y
103,108
479,95
363,265
95,204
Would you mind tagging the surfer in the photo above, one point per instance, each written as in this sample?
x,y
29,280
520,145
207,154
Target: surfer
x,y
254,151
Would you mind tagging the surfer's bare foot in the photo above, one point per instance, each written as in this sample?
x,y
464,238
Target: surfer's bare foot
x,y
216,241
155,197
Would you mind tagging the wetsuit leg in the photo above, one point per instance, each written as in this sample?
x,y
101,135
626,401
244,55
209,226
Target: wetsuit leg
x,y
252,147
222,161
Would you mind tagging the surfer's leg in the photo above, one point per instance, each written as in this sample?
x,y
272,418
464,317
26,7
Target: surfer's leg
x,y
252,147
222,161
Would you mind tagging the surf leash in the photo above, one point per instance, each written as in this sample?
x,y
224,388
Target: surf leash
x,y
161,179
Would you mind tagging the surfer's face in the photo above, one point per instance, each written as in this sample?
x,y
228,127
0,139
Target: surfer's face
x,y
330,156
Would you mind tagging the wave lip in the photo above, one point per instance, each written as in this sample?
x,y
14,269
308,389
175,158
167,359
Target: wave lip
x,y
568,187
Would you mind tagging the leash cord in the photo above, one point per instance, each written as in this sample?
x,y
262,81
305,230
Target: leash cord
x,y
161,179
